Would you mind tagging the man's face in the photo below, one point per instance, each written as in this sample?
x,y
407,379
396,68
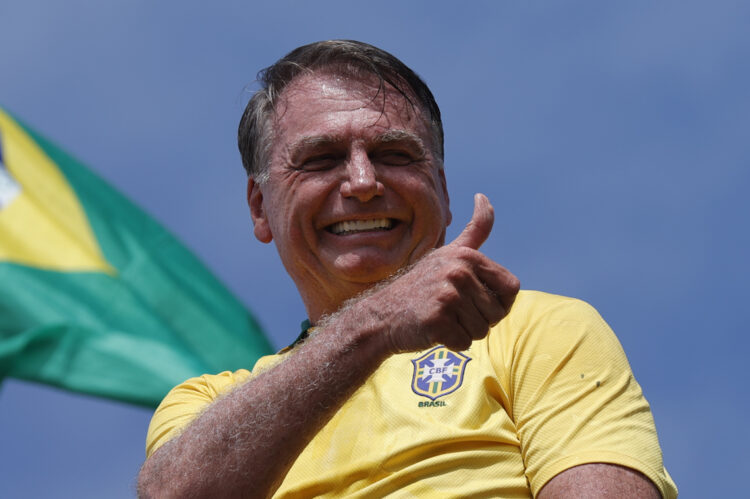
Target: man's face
x,y
354,190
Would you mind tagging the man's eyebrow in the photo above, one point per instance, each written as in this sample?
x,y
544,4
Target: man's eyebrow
x,y
311,142
401,136
298,149
391,136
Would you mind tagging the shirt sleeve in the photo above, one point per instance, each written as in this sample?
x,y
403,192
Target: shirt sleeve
x,y
185,402
574,397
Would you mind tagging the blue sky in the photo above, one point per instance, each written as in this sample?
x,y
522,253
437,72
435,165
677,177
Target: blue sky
x,y
612,139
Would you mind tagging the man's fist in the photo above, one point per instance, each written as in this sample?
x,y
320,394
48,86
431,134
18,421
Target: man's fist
x,y
452,296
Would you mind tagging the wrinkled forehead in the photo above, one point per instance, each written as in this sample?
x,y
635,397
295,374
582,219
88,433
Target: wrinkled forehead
x,y
330,89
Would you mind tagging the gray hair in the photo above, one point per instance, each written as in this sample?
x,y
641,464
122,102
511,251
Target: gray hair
x,y
352,58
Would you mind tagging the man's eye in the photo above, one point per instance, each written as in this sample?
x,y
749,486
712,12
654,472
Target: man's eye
x,y
393,158
321,162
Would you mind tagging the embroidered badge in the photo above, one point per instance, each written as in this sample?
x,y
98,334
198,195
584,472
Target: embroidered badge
x,y
438,372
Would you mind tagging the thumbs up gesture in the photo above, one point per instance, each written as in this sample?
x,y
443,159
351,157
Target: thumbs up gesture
x,y
479,227
452,296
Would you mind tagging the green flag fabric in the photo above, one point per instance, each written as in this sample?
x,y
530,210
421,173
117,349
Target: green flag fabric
x,y
97,297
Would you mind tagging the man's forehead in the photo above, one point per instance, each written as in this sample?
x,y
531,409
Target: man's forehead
x,y
333,85
324,89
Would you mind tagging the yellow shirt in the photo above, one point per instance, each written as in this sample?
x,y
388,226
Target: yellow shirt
x,y
549,388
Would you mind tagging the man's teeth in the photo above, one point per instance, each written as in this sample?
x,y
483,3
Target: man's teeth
x,y
351,226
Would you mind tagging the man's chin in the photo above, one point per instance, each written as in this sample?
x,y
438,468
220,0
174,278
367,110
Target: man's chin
x,y
366,270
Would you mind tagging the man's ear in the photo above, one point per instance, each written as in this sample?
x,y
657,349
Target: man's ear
x,y
261,228
444,186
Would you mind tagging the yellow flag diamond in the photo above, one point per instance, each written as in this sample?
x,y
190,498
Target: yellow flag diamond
x,y
42,223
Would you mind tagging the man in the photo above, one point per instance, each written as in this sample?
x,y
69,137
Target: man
x,y
426,372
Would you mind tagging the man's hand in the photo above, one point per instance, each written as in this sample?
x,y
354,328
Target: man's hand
x,y
452,296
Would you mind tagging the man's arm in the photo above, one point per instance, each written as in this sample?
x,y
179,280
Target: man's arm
x,y
575,401
245,442
598,480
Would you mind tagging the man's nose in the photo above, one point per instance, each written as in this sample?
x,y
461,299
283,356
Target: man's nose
x,y
361,179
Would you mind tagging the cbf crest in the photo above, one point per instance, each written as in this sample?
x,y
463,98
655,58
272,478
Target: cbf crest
x,y
438,372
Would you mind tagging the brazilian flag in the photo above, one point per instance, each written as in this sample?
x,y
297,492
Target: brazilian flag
x,y
97,297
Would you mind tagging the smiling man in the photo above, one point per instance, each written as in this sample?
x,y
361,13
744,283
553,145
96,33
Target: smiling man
x,y
425,372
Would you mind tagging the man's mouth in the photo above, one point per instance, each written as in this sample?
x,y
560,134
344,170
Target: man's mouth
x,y
354,226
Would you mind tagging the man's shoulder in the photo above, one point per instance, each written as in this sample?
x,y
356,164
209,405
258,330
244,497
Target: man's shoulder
x,y
217,383
540,317
212,385
531,304
206,388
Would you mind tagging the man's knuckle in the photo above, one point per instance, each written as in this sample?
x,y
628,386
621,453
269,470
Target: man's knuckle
x,y
458,274
448,295
480,332
465,253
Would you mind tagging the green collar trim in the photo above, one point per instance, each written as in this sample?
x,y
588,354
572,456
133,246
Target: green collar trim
x,y
305,327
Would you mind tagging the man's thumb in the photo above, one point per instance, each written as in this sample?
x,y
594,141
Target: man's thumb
x,y
479,227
